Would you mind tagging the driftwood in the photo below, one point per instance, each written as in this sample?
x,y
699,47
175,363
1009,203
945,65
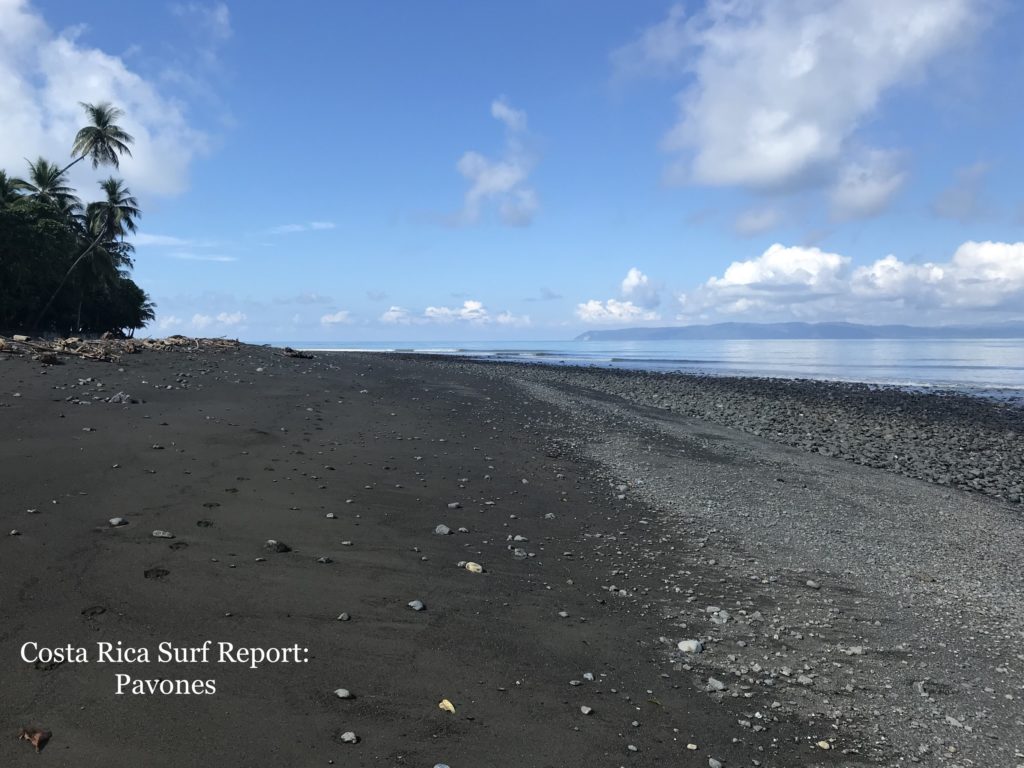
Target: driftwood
x,y
109,350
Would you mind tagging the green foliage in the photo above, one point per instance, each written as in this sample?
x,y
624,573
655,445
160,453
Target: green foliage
x,y
65,268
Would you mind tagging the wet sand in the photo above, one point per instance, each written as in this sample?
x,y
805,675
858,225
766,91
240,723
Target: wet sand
x,y
631,526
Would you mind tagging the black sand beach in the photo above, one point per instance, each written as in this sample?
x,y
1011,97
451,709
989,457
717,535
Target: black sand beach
x,y
858,612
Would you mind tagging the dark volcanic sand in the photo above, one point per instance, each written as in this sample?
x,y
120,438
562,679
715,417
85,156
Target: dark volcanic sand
x,y
679,515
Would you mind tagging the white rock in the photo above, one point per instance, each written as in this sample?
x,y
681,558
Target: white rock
x,y
158,534
691,646
117,521
343,693
349,737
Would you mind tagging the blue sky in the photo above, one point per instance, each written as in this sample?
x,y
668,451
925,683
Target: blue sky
x,y
531,170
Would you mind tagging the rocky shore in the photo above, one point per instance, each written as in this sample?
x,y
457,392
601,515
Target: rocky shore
x,y
946,438
474,564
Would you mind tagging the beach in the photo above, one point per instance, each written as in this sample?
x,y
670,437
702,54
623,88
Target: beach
x,y
846,559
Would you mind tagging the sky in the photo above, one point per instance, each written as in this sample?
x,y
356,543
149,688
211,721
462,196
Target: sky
x,y
325,171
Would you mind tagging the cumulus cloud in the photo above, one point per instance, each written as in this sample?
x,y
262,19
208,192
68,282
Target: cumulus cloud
x,y
471,311
780,88
613,311
221,320
811,284
340,317
501,181
963,200
45,74
638,288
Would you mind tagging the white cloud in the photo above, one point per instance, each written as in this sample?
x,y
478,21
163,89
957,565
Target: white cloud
x,y
141,239
637,287
169,321
234,318
337,318
312,226
213,20
43,77
756,221
780,88
613,311
865,186
201,321
811,284
396,316
514,119
472,312
502,181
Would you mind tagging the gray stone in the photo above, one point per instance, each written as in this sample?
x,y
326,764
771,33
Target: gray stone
x,y
417,605
691,646
442,530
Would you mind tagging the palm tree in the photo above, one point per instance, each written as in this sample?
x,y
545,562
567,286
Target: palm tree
x,y
10,189
107,220
103,141
48,184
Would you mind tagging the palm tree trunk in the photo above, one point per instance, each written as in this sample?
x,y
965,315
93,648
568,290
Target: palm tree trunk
x,y
76,160
65,279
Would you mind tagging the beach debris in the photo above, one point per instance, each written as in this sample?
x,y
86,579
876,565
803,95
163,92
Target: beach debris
x,y
343,693
289,352
116,522
349,737
474,567
158,534
417,605
37,737
442,530
273,545
690,646
447,706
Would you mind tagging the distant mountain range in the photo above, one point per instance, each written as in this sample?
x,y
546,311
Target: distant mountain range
x,y
1011,330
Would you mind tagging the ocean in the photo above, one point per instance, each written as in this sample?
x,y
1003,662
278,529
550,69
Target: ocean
x,y
985,367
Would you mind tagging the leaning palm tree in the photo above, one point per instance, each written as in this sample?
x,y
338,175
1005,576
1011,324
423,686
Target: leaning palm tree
x,y
48,184
104,140
10,188
106,221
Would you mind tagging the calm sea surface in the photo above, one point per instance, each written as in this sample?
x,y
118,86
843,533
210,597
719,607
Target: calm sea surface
x,y
989,367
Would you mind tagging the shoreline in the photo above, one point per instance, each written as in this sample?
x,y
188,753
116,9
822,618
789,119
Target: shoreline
x,y
607,530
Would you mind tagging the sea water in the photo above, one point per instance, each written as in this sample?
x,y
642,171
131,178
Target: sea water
x,y
987,367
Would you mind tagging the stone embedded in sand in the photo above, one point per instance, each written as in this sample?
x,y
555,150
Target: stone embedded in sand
x,y
158,534
586,710
15,532
344,617
716,685
691,646
712,763
343,693
442,530
117,521
417,605
324,560
331,516
273,545
455,505
349,737
813,584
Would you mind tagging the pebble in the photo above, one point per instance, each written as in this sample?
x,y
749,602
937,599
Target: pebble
x,y
417,605
324,560
586,710
716,684
813,584
273,545
344,617
343,693
691,646
158,534
442,530
15,532
116,521
712,763
349,737
455,505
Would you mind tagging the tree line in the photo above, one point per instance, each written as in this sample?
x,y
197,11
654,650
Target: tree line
x,y
65,266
